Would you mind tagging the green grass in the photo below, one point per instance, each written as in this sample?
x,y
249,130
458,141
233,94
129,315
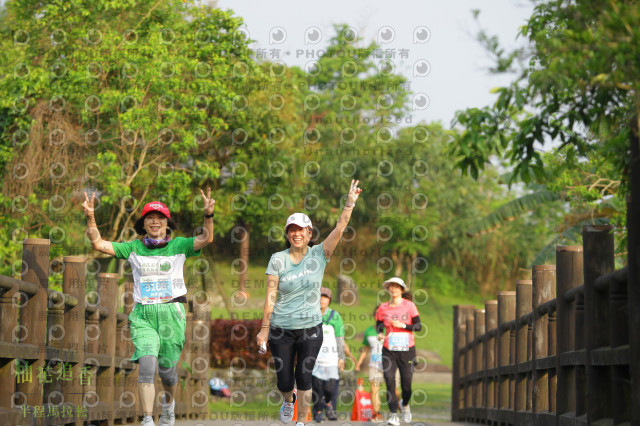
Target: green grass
x,y
430,401
435,309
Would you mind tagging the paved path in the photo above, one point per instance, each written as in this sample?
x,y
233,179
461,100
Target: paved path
x,y
338,423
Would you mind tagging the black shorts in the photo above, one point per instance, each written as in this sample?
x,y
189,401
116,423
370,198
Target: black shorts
x,y
295,353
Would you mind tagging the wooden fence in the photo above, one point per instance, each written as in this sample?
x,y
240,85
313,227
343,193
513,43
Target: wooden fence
x,y
65,356
556,351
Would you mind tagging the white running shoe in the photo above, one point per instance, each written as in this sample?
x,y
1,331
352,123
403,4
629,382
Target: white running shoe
x,y
286,411
406,413
167,418
299,424
148,421
393,420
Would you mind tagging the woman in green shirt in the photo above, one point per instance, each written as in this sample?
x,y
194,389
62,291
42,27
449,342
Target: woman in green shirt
x,y
158,320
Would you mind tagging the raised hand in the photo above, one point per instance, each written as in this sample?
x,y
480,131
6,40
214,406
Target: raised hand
x,y
354,191
209,203
88,205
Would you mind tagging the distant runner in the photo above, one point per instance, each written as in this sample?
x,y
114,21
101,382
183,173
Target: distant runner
x,y
399,318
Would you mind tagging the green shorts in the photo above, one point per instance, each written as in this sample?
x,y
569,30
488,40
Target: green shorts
x,y
158,330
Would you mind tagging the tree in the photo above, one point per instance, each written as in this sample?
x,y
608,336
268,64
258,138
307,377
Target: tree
x,y
125,99
579,89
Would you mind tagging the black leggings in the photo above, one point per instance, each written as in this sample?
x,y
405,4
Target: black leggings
x,y
402,360
322,388
285,346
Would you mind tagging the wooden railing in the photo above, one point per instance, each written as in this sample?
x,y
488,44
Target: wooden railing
x,y
65,356
554,352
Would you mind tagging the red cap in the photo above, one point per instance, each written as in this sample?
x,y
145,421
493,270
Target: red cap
x,y
156,206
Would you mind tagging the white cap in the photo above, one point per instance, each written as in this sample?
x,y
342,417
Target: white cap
x,y
300,219
394,280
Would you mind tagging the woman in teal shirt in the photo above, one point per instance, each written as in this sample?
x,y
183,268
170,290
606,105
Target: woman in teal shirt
x,y
292,321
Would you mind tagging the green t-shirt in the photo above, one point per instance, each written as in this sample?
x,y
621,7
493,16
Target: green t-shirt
x,y
157,273
298,302
371,340
336,322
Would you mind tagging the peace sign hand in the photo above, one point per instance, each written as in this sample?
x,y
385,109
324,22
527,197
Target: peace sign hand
x,y
354,191
209,203
88,205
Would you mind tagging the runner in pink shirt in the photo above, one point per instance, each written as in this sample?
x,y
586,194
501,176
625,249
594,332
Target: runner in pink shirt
x,y
399,318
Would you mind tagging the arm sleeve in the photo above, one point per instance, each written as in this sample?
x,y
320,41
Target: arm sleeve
x,y
379,326
338,325
123,250
340,344
415,325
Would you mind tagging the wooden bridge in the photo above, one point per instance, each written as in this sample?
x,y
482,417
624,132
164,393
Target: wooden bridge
x,y
559,350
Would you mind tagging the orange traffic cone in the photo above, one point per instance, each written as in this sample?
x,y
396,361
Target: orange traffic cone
x,y
361,411
309,417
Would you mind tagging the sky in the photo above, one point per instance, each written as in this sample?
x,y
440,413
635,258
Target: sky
x,y
434,42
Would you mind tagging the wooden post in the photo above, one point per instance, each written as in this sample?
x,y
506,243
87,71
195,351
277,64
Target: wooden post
x,y
512,361
8,322
479,365
190,384
33,315
553,376
619,336
633,280
581,372
129,400
468,383
506,313
200,364
108,290
73,284
491,322
568,276
523,307
598,260
460,314
52,386
544,288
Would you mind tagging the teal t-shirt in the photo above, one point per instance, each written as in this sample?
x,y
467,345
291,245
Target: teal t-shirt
x,y
157,273
298,302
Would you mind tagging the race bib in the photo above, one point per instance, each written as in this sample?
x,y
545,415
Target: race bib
x,y
155,289
398,341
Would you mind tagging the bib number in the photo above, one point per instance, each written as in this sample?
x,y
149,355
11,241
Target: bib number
x,y
398,342
155,289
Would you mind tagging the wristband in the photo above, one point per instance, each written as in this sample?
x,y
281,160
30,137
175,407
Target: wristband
x,y
350,205
265,326
208,216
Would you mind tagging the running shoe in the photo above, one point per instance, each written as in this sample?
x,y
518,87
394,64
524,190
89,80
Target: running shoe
x,y
299,424
318,417
148,421
167,418
376,417
393,420
406,413
286,411
331,413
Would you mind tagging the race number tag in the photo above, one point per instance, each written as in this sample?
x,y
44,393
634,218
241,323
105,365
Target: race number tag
x,y
155,289
398,341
